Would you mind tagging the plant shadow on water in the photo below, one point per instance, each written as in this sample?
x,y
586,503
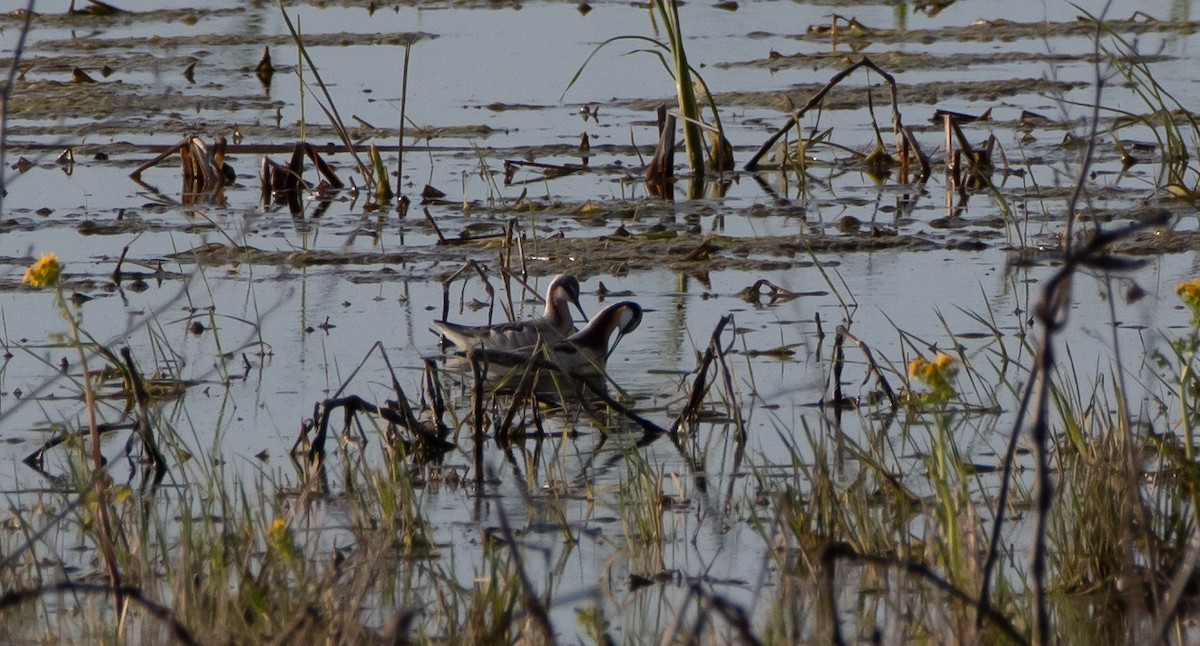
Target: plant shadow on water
x,y
227,420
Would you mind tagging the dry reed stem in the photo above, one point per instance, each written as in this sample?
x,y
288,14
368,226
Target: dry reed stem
x,y
331,112
794,119
687,417
438,231
727,378
432,393
487,286
403,110
872,366
142,399
660,172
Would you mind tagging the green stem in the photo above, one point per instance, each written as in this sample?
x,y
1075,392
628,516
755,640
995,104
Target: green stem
x,y
668,10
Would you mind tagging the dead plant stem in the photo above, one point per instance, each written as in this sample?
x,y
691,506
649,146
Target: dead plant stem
x,y
6,91
403,109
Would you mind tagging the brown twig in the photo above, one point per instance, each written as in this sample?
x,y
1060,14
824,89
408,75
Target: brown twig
x,y
142,398
660,172
700,386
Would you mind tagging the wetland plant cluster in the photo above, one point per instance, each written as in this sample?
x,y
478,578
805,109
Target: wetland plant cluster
x,y
1082,528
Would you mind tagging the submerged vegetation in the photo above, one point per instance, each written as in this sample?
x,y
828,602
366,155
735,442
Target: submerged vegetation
x,y
1016,486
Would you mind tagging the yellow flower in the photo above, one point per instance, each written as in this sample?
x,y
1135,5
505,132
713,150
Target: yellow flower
x,y
44,272
916,367
936,374
281,540
1189,293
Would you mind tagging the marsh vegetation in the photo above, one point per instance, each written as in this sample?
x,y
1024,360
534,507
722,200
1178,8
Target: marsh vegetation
x,y
919,316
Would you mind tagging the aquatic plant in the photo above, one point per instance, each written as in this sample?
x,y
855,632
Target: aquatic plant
x,y
682,72
1189,294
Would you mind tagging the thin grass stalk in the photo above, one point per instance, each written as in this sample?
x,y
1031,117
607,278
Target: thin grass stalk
x,y
403,109
1155,96
1089,150
727,378
1128,449
6,91
334,118
700,386
839,360
299,76
100,483
872,366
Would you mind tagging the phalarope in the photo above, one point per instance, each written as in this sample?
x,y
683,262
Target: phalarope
x,y
554,324
587,350
582,356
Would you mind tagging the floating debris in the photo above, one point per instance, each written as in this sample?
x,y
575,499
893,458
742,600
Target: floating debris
x,y
95,8
204,168
80,76
265,70
283,183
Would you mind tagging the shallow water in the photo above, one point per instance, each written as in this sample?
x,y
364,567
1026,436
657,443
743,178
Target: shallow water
x,y
485,87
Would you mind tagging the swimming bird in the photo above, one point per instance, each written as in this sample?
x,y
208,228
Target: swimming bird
x,y
554,324
584,355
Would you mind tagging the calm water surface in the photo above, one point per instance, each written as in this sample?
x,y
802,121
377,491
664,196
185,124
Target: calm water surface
x,y
487,84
